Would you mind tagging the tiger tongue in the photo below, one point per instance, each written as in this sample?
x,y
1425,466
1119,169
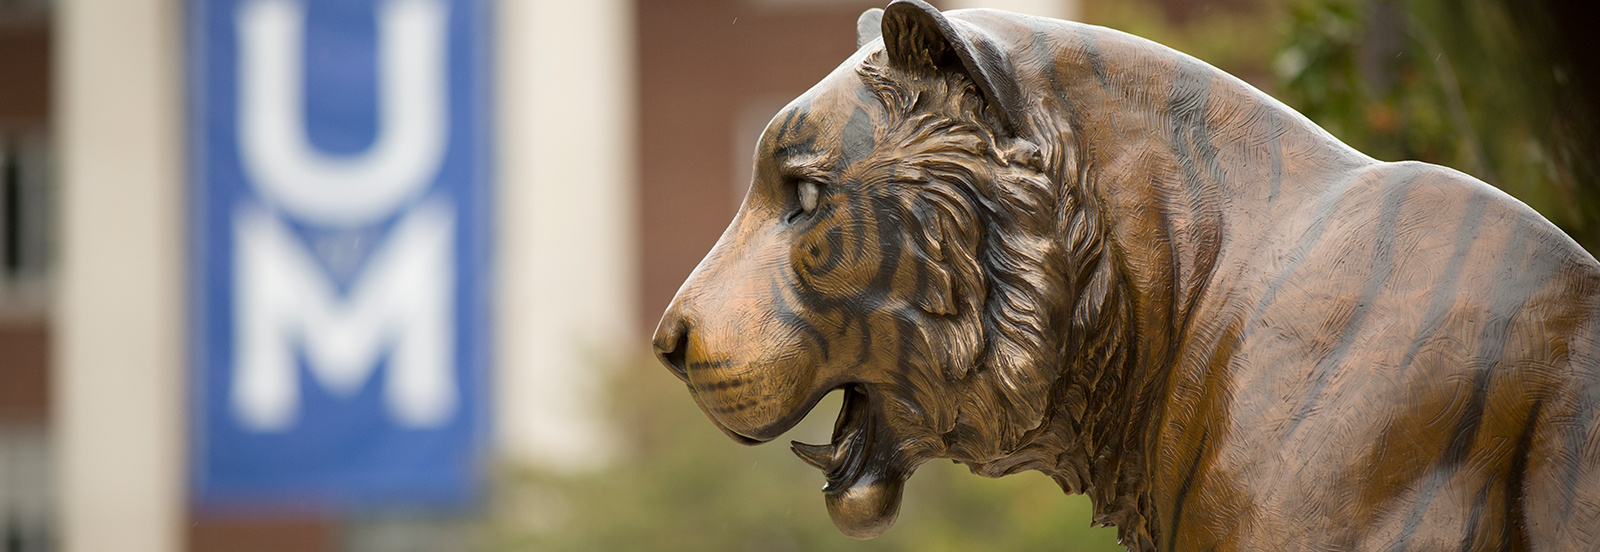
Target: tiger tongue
x,y
868,506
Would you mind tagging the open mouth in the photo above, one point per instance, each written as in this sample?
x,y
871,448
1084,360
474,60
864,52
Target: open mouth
x,y
863,488
864,485
842,458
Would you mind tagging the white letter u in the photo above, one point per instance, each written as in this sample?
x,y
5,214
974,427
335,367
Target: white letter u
x,y
412,100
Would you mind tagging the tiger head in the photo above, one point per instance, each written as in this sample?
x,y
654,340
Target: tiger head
x,y
904,240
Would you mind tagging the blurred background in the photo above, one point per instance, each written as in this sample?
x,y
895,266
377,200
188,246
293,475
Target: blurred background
x,y
378,275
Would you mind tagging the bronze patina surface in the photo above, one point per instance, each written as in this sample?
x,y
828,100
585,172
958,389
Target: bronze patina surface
x,y
1029,244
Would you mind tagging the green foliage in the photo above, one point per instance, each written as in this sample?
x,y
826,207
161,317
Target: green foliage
x,y
686,487
1229,37
1470,85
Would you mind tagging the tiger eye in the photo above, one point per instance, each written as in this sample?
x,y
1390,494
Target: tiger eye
x,y
808,196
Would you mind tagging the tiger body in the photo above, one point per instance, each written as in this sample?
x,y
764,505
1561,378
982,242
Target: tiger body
x,y
1411,407
1440,392
1154,283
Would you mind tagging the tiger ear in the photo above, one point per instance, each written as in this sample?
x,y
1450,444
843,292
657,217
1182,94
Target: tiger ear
x,y
919,38
869,26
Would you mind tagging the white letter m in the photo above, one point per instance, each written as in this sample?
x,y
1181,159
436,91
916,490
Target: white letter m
x,y
400,303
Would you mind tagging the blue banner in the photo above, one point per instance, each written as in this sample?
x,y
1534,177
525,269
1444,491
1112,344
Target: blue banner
x,y
340,270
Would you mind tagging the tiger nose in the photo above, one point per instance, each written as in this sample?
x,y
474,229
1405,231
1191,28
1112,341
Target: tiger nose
x,y
671,343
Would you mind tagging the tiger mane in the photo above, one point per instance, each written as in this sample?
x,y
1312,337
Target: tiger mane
x,y
1039,341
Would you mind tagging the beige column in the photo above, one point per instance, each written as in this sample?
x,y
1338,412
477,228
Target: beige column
x,y
565,252
118,388
1059,9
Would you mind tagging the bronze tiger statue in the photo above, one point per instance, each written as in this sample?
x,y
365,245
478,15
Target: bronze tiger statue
x,y
1029,244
